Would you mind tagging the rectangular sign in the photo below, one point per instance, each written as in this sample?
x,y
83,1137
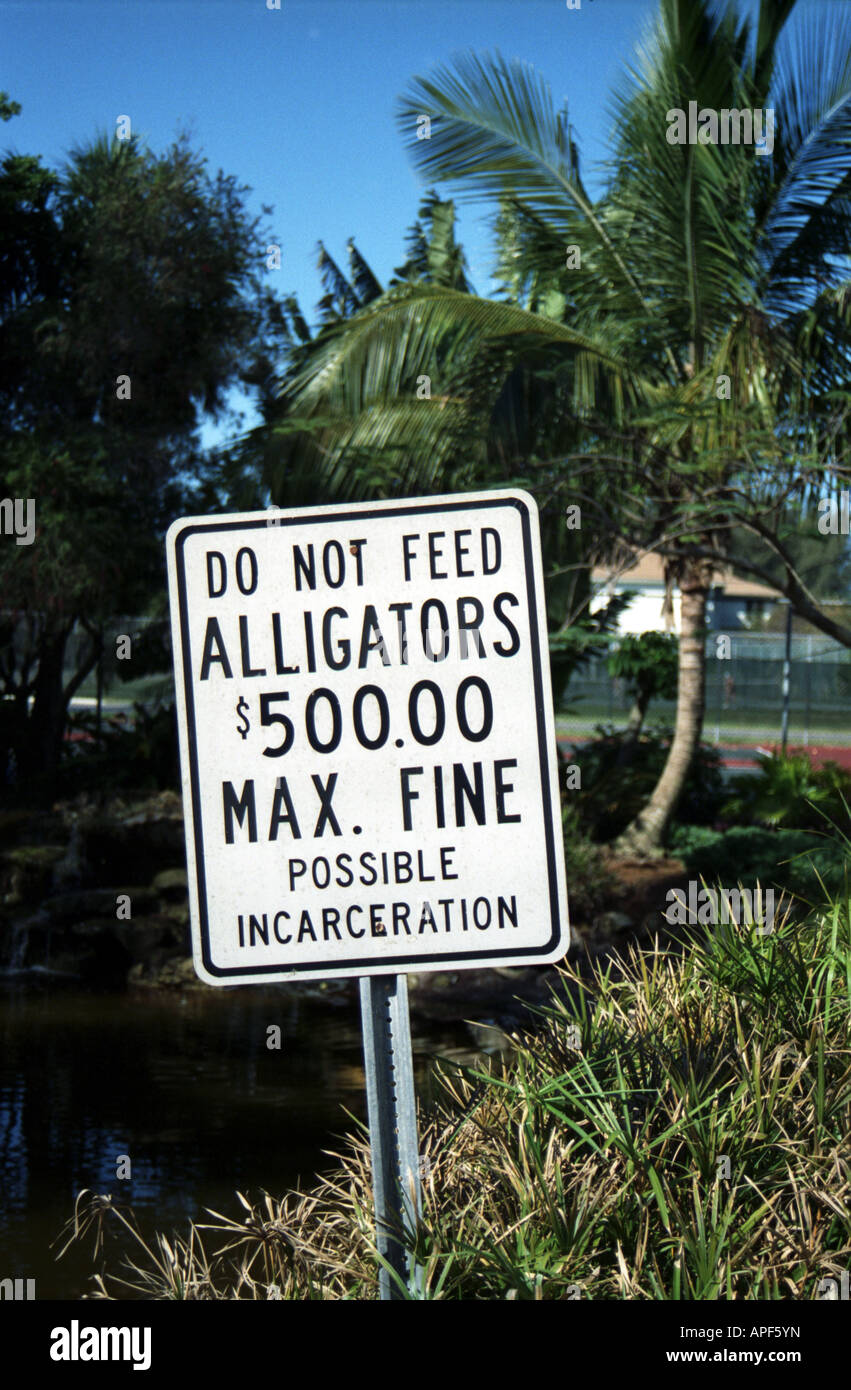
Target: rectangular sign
x,y
367,740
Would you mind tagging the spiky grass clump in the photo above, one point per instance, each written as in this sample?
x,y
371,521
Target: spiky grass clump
x,y
676,1127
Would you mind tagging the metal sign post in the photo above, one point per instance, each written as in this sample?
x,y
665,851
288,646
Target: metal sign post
x,y
392,1110
368,756
787,671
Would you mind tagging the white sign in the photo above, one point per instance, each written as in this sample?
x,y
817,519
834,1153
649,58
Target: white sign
x,y
367,740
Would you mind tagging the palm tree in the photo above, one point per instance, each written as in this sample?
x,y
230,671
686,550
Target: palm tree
x,y
687,332
497,427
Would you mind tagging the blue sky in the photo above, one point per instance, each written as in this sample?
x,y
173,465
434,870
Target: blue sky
x,y
299,102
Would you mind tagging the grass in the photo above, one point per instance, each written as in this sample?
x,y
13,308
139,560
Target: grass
x,y
675,1126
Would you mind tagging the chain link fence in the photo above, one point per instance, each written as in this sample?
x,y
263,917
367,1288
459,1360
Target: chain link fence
x,y
744,692
744,686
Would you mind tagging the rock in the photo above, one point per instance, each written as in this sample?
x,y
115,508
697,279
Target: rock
x,y
17,826
143,938
181,973
134,850
609,923
106,949
177,912
171,884
69,963
27,871
63,908
489,1037
99,957
165,805
178,973
78,879
87,929
73,868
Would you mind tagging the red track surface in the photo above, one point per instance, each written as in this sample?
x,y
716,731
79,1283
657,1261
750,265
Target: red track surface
x,y
743,755
738,756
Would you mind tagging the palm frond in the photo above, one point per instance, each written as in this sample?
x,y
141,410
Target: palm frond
x,y
364,282
411,328
806,221
496,133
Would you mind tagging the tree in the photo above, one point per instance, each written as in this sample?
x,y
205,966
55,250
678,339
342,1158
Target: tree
x,y
822,561
691,326
646,662
758,296
345,438
130,300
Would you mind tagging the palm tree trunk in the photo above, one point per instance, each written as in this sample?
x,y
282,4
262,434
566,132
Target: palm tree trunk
x,y
643,837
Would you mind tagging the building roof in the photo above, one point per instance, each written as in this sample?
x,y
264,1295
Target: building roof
x,y
649,570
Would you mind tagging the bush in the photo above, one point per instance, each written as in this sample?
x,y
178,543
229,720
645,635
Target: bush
x,y
789,791
143,757
619,775
590,884
673,1130
648,665
800,861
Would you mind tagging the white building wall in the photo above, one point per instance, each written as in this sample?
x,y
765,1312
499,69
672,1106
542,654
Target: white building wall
x,y
644,613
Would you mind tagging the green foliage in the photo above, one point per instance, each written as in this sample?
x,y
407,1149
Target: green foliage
x,y
594,377
157,267
117,289
675,1129
790,791
29,250
433,252
618,775
590,884
572,647
125,269
80,564
646,662
151,655
8,108
823,561
805,863
140,756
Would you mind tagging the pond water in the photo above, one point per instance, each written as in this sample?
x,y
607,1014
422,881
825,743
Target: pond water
x,y
183,1084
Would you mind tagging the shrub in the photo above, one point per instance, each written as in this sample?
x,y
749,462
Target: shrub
x,y
620,773
789,791
590,884
647,663
805,863
673,1130
143,757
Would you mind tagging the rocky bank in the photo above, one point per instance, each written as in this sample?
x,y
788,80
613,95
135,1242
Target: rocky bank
x,y
98,893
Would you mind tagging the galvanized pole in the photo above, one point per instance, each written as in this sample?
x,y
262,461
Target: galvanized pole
x,y
391,1105
787,669
719,703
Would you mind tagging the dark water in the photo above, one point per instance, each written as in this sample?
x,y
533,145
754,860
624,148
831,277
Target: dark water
x,y
183,1084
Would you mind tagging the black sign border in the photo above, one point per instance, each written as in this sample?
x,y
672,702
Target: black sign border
x,y
357,965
